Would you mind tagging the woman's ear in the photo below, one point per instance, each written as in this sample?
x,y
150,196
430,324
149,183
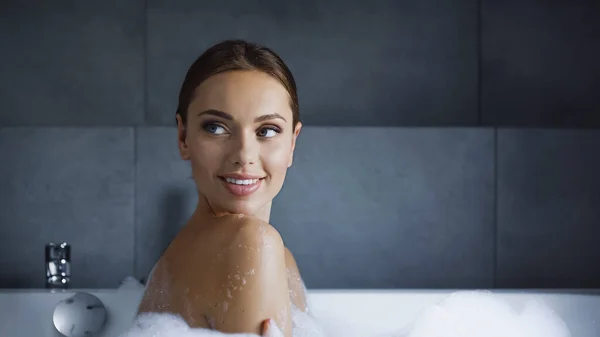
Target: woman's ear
x,y
184,151
294,137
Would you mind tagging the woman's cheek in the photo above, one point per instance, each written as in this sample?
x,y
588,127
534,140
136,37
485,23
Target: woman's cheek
x,y
277,157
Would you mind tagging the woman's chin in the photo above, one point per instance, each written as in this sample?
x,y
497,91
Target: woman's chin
x,y
244,208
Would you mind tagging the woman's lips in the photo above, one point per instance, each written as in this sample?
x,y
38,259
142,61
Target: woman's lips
x,y
241,187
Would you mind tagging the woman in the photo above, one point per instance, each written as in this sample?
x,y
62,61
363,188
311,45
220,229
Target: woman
x,y
228,269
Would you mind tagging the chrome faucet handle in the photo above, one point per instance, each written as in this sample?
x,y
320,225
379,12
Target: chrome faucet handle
x,y
58,252
58,265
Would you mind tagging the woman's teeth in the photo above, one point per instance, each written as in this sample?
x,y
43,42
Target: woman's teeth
x,y
241,182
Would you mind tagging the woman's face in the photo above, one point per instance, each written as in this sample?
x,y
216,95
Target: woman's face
x,y
240,140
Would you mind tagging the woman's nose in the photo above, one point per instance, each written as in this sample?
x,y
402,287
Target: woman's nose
x,y
245,151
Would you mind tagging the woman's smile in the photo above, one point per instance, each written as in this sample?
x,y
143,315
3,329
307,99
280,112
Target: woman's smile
x,y
241,185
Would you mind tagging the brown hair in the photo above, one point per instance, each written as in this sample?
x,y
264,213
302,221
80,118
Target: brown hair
x,y
232,55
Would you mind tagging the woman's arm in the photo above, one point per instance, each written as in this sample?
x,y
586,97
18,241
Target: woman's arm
x,y
255,283
295,283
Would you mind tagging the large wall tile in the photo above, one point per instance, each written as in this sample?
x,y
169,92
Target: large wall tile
x,y
66,184
356,63
165,194
548,214
72,63
390,207
540,63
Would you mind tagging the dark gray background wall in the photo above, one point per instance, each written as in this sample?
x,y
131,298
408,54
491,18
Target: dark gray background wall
x,y
447,144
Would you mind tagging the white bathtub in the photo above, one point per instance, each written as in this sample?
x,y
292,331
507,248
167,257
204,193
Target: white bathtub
x,y
26,313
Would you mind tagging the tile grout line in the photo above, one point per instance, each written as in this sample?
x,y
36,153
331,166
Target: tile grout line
x,y
495,143
479,61
495,209
145,62
135,201
135,134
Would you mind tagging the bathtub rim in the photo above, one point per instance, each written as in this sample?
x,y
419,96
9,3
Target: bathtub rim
x,y
399,291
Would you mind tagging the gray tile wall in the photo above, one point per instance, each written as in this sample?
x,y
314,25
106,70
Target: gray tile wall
x,y
88,152
165,195
548,208
405,62
539,63
385,63
72,63
391,207
68,184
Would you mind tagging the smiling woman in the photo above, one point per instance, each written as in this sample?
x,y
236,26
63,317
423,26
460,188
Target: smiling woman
x,y
237,124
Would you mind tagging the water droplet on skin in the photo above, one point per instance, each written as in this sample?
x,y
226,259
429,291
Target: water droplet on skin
x,y
225,306
243,280
229,293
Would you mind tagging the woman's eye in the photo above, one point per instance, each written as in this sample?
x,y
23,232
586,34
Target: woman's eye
x,y
268,132
214,129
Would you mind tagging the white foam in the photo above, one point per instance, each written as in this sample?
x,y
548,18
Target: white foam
x,y
466,314
463,314
168,325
